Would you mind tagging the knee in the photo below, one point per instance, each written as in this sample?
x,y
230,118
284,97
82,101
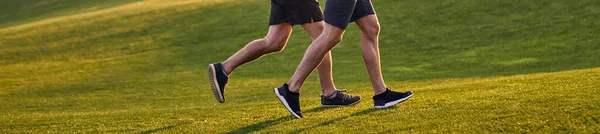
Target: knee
x,y
372,32
332,39
336,40
275,45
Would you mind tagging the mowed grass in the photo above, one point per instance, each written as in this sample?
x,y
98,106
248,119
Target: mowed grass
x,y
475,66
16,12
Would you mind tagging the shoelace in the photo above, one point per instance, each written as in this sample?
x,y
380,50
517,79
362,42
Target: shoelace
x,y
340,92
343,96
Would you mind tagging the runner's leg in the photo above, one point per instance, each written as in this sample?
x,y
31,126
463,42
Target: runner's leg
x,y
315,53
370,50
274,42
325,68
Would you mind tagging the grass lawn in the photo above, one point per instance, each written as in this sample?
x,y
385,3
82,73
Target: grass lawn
x,y
132,66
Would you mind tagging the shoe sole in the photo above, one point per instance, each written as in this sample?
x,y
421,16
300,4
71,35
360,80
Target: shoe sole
x,y
389,104
284,102
214,84
342,105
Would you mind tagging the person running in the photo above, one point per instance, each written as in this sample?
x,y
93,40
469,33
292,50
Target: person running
x,y
284,15
338,14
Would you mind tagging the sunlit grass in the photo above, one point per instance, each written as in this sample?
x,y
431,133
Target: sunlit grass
x,y
475,66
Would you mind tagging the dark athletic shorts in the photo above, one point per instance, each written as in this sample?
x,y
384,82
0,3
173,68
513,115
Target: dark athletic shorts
x,y
341,12
295,12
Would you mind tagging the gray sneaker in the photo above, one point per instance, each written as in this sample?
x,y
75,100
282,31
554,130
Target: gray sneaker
x,y
338,98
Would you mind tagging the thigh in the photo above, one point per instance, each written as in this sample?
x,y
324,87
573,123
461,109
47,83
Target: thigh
x,y
368,25
313,29
279,32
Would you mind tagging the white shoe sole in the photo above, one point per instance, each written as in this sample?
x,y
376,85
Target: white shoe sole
x,y
214,84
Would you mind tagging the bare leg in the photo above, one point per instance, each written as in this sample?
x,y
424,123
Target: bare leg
x,y
369,26
324,69
325,75
274,42
330,37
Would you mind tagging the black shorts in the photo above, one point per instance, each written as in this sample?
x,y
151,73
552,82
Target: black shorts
x,y
341,12
295,12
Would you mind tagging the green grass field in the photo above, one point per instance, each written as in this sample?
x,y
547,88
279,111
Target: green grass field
x,y
475,66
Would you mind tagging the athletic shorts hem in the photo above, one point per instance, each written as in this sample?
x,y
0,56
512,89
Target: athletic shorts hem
x,y
341,12
295,12
295,23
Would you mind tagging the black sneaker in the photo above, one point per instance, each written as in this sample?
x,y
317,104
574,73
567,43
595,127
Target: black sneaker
x,y
339,99
290,100
218,80
390,98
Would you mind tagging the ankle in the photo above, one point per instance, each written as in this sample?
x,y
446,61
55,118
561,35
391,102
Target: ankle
x,y
226,68
380,91
293,89
327,93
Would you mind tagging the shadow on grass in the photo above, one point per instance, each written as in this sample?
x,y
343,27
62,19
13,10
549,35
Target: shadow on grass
x,y
165,128
359,113
265,124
